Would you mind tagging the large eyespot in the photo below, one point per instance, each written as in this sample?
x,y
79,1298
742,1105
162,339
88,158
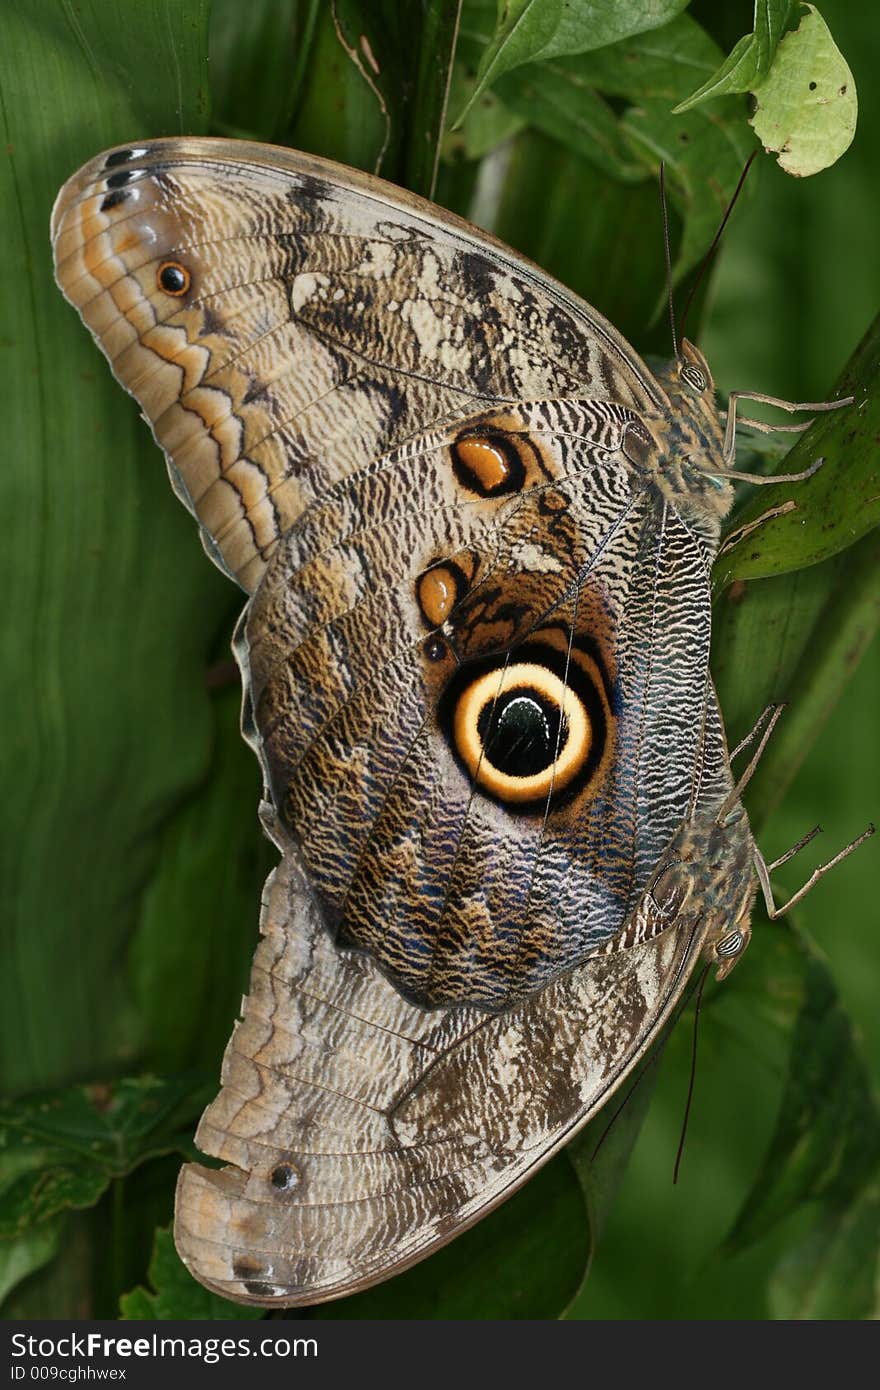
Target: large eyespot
x,y
173,278
529,729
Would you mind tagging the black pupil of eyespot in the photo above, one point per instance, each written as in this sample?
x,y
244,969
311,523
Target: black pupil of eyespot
x,y
173,279
522,732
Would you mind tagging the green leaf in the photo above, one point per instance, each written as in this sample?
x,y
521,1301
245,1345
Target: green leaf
x,y
826,1144
175,1293
24,1254
525,1260
529,30
61,1149
825,1150
704,153
838,504
796,638
750,58
114,605
376,86
807,105
341,113
835,1271
488,121
190,957
259,57
426,121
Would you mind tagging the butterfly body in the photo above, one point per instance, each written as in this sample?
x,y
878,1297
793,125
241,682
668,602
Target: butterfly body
x,y
475,531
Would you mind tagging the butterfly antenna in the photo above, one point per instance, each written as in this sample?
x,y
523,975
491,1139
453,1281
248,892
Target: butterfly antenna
x,y
690,1094
667,253
715,240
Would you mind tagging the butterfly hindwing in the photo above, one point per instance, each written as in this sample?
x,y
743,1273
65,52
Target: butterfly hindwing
x,y
361,1132
365,669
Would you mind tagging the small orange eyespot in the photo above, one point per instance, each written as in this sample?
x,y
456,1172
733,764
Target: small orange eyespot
x,y
173,278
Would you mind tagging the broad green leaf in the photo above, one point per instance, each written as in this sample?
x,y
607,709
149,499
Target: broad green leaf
x,y
24,1254
376,87
431,100
806,105
488,121
259,56
341,113
838,504
175,1293
61,1149
826,1144
525,1260
560,99
750,59
190,956
529,30
114,605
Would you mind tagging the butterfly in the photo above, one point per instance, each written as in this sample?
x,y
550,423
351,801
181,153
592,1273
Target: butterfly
x,y
475,532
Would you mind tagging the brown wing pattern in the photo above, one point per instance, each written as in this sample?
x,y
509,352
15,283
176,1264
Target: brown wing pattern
x,y
361,1132
355,695
476,672
283,321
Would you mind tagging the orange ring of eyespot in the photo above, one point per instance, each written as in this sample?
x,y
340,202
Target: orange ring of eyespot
x,y
572,755
187,277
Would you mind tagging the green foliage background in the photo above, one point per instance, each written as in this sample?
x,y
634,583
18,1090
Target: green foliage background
x,y
132,857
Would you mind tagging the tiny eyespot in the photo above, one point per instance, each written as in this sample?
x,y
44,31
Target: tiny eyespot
x,y
173,278
284,1176
435,649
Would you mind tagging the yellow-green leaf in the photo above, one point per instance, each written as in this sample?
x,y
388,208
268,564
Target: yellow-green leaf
x,y
807,105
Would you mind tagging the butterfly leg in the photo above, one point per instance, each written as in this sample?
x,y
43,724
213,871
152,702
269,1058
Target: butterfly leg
x,y
758,726
790,406
765,726
764,870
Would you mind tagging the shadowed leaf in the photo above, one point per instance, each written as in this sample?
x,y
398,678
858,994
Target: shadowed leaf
x,y
175,1293
61,1149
